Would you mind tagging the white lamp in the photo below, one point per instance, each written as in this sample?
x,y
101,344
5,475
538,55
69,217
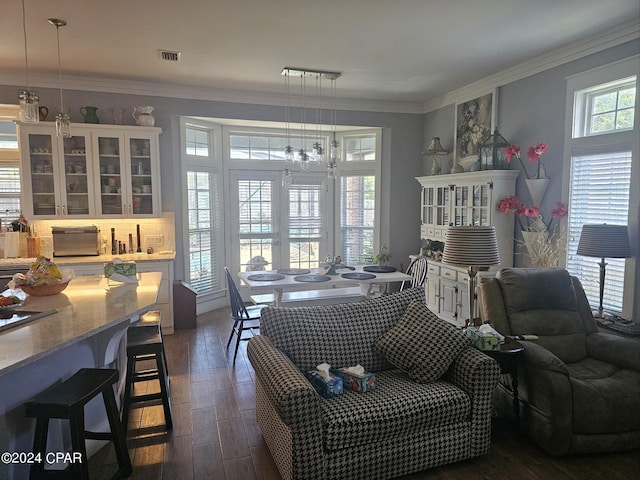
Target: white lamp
x,y
474,247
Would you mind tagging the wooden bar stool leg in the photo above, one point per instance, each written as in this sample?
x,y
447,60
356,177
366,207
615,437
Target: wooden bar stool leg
x,y
76,424
162,379
118,433
126,402
39,446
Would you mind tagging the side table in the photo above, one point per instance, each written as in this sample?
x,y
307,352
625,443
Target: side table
x,y
507,358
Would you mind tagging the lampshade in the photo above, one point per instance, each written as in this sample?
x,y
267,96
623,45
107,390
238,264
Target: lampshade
x,y
604,241
471,246
435,148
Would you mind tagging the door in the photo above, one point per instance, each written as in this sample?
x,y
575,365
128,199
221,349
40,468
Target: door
x,y
274,226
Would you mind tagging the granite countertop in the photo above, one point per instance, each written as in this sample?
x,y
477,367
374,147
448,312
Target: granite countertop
x,y
136,257
86,307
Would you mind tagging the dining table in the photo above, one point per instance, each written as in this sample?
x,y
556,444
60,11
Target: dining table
x,y
298,279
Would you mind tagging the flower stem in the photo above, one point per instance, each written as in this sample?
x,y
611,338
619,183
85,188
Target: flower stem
x,y
523,167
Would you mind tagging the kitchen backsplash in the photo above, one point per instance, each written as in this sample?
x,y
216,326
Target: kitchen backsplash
x,y
158,233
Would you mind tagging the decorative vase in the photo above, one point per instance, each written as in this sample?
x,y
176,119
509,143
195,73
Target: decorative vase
x,y
537,188
143,116
89,114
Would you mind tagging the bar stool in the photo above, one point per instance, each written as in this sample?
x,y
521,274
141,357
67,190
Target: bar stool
x,y
153,319
66,401
145,343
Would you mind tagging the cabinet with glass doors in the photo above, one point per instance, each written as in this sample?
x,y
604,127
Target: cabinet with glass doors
x,y
458,200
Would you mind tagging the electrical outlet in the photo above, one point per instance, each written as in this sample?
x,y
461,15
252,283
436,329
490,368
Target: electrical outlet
x,y
154,240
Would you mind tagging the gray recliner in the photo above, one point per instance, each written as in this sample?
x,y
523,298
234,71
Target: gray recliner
x,y
579,388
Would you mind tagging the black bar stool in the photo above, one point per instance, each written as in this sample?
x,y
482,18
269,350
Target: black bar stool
x,y
67,400
145,343
153,319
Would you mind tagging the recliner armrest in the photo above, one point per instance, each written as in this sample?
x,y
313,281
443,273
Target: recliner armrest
x,y
620,351
293,396
539,357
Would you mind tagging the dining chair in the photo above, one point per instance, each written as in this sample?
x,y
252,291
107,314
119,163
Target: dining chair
x,y
418,271
246,318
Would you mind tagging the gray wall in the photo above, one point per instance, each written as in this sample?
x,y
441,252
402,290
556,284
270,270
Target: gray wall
x,y
402,158
532,110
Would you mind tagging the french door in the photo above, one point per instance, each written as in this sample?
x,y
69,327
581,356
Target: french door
x,y
275,226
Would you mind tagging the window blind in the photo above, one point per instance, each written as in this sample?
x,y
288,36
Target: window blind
x,y
204,229
9,193
357,216
599,193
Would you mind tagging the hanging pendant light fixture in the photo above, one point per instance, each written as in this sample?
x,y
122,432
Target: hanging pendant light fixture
x,y
334,151
63,123
29,100
302,157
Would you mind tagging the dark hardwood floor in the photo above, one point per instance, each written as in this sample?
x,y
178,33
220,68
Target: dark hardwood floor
x,y
215,435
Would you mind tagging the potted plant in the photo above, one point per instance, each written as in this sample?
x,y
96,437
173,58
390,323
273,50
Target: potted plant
x,y
383,256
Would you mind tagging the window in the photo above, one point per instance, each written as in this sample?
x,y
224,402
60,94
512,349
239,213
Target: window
x,y
599,194
603,163
357,218
306,222
605,108
203,237
9,166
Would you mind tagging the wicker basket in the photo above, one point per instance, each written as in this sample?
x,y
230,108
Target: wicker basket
x,y
44,290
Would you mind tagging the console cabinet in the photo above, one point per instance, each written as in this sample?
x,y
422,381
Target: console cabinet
x,y
107,171
458,200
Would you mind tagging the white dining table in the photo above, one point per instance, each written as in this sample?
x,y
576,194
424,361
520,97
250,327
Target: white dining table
x,y
255,282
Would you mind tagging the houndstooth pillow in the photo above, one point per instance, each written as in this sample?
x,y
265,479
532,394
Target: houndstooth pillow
x,y
422,344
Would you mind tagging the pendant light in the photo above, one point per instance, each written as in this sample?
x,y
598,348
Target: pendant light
x,y
288,150
63,123
334,150
29,109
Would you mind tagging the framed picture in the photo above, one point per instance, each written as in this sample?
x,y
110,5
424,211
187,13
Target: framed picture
x,y
475,121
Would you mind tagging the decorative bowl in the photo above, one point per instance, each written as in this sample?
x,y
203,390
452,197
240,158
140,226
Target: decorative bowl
x,y
44,290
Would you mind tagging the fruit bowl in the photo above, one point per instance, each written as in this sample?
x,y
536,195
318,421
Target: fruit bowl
x,y
44,290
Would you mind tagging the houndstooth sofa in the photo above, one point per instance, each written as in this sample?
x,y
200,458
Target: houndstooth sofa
x,y
400,427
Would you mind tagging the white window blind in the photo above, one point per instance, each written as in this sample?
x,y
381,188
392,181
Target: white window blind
x,y
204,228
9,193
305,224
599,193
357,218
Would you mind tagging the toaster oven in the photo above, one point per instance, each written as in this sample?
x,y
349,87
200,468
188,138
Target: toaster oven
x,y
76,241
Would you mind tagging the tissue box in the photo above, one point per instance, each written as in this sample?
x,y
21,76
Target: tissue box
x,y
484,341
357,382
128,269
326,387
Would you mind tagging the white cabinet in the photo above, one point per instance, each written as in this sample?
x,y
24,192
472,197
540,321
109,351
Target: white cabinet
x,y
458,200
101,171
57,174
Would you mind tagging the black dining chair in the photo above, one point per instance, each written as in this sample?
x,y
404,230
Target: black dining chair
x,y
246,318
418,271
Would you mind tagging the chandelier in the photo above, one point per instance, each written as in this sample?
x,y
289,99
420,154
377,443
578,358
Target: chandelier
x,y
63,123
29,99
317,154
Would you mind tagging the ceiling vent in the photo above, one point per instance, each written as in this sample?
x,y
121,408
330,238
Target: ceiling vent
x,y
170,56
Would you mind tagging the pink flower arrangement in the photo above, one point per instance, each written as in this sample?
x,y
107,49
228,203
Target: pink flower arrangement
x,y
513,204
534,154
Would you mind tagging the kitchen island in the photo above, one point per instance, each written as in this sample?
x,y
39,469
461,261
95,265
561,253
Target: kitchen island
x,y
86,331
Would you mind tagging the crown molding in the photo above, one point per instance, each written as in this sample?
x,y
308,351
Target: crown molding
x,y
131,87
621,34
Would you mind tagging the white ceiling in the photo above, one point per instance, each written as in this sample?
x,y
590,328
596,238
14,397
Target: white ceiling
x,y
400,51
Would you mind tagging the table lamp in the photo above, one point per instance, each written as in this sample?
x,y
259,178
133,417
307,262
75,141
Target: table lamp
x,y
604,241
474,247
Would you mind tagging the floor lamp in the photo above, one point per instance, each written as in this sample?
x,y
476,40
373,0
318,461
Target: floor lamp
x,y
474,247
604,241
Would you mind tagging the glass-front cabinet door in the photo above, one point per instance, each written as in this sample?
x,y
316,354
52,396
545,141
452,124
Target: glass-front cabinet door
x,y
40,175
111,166
143,175
57,173
480,204
76,172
